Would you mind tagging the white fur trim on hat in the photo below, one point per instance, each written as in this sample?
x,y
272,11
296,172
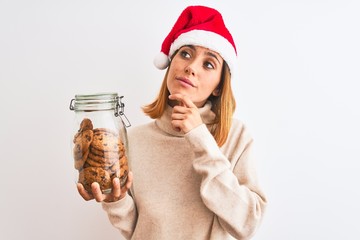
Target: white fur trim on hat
x,y
161,61
211,40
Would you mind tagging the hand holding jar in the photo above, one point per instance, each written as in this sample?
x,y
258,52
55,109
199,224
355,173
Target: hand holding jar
x,y
116,194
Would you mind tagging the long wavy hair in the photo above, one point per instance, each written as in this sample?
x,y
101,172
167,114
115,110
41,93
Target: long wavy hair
x,y
223,105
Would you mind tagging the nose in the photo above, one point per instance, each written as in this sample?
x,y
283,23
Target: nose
x,y
189,70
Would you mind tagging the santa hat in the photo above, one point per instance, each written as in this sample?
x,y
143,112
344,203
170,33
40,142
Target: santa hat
x,y
200,26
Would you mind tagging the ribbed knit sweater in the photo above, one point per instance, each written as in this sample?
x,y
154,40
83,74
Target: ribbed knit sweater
x,y
186,187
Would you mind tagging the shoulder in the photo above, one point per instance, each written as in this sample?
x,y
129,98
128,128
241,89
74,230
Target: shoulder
x,y
239,127
239,133
237,142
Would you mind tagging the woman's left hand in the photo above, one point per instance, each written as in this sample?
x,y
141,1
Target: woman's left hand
x,y
185,116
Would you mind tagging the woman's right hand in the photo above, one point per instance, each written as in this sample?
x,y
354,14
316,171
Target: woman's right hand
x,y
116,194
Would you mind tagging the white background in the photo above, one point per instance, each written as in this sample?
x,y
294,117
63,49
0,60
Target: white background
x,y
298,91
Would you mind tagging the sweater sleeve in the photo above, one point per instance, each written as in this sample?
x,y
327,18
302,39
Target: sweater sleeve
x,y
122,215
229,188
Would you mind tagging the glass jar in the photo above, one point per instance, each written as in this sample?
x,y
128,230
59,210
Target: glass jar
x,y
99,140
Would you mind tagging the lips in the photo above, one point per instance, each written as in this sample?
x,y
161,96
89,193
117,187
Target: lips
x,y
185,80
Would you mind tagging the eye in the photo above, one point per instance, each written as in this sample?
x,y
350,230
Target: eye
x,y
208,65
185,54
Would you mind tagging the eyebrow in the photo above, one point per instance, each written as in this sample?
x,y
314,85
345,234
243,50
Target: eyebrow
x,y
207,53
212,55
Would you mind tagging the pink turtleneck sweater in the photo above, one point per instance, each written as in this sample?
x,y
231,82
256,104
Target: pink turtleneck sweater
x,y
186,187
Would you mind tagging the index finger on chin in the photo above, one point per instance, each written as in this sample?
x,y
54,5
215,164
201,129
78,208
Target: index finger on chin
x,y
185,100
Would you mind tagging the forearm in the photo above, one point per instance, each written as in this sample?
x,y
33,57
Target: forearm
x,y
239,209
228,190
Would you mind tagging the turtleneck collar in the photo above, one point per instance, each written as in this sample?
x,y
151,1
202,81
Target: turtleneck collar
x,y
164,122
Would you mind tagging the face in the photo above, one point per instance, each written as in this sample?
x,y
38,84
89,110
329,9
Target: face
x,y
195,71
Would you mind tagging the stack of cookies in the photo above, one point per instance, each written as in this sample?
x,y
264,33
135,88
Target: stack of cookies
x,y
99,156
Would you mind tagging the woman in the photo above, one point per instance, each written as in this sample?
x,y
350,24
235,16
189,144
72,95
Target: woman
x,y
192,167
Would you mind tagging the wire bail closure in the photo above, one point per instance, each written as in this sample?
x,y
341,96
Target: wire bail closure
x,y
71,107
119,111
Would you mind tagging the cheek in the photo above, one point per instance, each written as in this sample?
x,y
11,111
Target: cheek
x,y
173,69
169,77
213,83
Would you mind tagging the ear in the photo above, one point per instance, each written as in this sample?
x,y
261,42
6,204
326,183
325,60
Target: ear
x,y
216,92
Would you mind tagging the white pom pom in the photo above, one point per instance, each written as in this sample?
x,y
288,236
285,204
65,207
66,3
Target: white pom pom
x,y
161,61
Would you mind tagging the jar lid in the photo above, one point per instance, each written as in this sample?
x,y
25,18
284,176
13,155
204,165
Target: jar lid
x,y
100,102
94,102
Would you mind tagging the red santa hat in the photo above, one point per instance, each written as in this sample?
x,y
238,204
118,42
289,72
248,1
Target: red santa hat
x,y
200,26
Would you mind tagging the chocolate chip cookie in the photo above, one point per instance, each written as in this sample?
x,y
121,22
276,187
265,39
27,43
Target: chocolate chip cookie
x,y
81,151
95,174
106,141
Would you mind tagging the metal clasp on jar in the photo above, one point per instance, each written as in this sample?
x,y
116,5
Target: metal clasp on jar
x,y
119,111
72,108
